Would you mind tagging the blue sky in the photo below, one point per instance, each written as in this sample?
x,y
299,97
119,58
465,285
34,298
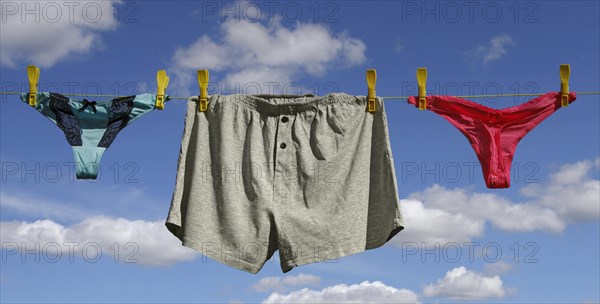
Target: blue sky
x,y
546,225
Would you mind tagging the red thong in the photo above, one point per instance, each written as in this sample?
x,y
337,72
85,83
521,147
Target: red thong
x,y
494,134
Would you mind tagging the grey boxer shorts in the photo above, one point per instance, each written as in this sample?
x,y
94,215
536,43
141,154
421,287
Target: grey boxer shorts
x,y
311,176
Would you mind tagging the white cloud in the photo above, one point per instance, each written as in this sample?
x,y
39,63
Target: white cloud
x,y
142,86
35,206
502,213
152,243
53,31
440,215
31,206
398,46
498,267
431,225
281,283
365,292
462,284
495,49
571,192
251,52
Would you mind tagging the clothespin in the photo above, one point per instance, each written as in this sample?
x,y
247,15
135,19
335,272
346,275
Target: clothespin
x,y
422,82
33,73
565,72
371,97
163,81
203,83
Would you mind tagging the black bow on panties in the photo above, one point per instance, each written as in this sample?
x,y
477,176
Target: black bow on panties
x,y
87,103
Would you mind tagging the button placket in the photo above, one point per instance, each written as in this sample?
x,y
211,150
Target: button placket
x,y
283,158
283,126
284,138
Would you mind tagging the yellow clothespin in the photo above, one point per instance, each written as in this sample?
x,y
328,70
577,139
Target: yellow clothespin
x,y
33,73
565,72
371,97
163,81
422,82
203,83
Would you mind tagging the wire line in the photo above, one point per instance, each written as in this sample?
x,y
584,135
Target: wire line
x,y
384,97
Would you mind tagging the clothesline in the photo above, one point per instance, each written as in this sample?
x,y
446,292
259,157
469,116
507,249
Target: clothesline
x,y
384,97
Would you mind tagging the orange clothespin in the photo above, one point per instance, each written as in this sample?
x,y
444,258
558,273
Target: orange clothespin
x,y
163,81
371,97
203,83
33,73
565,72
422,82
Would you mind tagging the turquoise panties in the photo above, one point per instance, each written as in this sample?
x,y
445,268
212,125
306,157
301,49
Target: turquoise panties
x,y
89,126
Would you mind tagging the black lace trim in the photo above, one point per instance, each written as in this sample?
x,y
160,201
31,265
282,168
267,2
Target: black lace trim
x,y
65,119
120,109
